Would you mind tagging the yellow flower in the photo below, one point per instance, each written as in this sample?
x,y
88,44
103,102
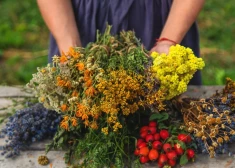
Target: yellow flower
x,y
105,130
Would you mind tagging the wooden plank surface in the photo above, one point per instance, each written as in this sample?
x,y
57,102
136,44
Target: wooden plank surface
x,y
28,159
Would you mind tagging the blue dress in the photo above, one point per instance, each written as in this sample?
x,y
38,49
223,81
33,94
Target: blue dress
x,y
145,17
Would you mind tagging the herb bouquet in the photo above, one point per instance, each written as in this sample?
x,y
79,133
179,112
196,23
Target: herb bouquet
x,y
105,90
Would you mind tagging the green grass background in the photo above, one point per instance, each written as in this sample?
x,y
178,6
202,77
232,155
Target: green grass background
x,y
24,41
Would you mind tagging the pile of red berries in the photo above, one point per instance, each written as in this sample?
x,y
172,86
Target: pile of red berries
x,y
161,147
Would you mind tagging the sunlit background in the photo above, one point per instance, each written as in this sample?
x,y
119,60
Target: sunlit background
x,y
24,41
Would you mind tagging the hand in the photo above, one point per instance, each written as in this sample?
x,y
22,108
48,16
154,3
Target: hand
x,y
66,43
162,47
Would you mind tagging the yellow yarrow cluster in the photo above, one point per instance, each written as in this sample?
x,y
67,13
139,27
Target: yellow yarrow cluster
x,y
175,69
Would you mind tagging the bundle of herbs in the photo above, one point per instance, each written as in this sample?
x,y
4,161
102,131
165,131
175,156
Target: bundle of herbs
x,y
211,120
103,92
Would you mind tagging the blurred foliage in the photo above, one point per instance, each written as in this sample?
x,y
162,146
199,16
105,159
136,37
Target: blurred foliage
x,y
21,25
217,34
22,30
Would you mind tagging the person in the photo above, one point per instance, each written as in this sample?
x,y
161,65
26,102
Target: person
x,y
75,22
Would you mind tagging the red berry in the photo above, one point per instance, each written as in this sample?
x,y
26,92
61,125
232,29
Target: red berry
x,y
171,162
143,134
152,130
189,139
159,164
167,147
179,150
172,155
144,151
144,159
152,124
164,134
144,128
182,137
190,153
136,152
149,138
139,141
141,145
156,137
157,145
153,154
162,159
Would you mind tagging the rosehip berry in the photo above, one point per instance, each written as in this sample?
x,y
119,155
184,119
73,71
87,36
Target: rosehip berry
x,y
149,138
162,159
152,124
144,151
172,155
144,159
171,162
157,145
139,141
137,152
159,164
141,145
156,137
182,137
152,130
144,128
153,154
143,134
167,147
189,139
190,153
179,150
164,134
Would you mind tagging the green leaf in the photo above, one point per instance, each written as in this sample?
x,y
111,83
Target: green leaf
x,y
183,159
159,117
162,126
182,144
193,145
61,140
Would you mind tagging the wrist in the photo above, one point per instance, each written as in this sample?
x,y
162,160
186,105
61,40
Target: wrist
x,y
165,41
66,43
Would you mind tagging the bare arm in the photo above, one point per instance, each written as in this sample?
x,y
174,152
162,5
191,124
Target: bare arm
x,y
181,17
59,17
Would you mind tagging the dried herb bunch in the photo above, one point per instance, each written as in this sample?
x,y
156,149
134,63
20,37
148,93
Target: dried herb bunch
x,y
211,120
107,79
102,91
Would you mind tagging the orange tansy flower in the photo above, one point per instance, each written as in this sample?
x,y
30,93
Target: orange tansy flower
x,y
87,73
63,107
88,83
60,82
78,113
80,66
63,58
66,118
75,93
72,52
64,125
86,122
74,122
84,117
68,84
94,125
90,91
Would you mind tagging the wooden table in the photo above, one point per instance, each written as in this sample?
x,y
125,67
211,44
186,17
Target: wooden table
x,y
28,159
